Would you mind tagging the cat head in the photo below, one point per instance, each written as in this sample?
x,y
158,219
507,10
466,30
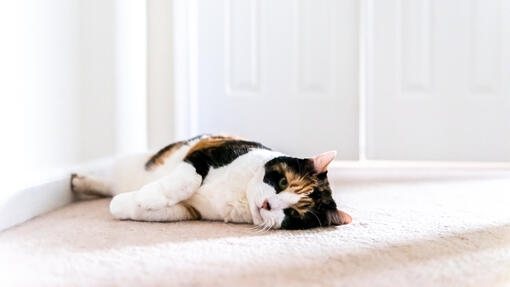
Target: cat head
x,y
295,194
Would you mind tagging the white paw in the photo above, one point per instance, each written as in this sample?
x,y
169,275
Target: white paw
x,y
150,199
123,206
78,183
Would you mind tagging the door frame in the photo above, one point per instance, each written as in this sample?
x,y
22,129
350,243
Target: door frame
x,y
185,54
172,75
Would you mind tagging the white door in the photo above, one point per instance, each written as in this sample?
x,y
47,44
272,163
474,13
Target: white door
x,y
438,85
281,72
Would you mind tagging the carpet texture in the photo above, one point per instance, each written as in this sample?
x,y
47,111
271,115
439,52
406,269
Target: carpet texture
x,y
414,233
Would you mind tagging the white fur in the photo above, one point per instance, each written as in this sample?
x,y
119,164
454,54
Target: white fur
x,y
124,206
232,193
171,189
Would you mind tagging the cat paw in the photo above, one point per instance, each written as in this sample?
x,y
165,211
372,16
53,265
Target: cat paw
x,y
150,199
123,206
78,183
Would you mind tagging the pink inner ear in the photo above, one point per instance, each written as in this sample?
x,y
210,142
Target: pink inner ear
x,y
322,161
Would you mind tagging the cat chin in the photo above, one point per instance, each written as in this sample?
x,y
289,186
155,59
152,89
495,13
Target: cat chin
x,y
269,218
273,218
278,219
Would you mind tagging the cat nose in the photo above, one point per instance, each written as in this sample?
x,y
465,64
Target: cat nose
x,y
266,205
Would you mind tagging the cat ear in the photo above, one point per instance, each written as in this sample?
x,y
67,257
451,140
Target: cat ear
x,y
322,161
339,217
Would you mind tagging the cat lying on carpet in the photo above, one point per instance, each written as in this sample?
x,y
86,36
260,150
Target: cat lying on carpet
x,y
220,178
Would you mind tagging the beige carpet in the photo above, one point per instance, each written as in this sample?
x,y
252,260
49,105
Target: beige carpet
x,y
429,233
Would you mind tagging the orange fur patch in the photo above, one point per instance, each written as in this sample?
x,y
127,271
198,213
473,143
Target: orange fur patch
x,y
209,142
195,215
160,156
298,183
303,205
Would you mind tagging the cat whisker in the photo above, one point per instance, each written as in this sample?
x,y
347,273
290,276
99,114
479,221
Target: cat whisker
x,y
265,226
257,227
273,222
260,227
320,223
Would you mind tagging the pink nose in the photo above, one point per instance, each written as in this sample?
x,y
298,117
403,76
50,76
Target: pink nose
x,y
266,205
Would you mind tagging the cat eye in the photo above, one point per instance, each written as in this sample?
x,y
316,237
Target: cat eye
x,y
282,184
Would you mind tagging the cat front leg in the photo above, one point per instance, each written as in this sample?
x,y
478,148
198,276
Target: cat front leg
x,y
124,206
156,197
178,186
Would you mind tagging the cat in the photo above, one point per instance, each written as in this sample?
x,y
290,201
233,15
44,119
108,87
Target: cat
x,y
220,178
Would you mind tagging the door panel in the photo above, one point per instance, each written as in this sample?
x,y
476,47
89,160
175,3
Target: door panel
x,y
281,72
439,80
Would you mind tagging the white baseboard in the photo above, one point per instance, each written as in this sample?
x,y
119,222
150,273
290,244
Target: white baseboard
x,y
416,170
44,195
33,201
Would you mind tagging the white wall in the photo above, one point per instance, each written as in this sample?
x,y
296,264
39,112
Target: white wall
x,y
60,76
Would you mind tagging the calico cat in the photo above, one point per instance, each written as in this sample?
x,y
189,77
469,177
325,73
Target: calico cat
x,y
220,178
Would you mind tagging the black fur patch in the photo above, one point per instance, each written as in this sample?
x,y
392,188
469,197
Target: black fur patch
x,y
219,155
161,153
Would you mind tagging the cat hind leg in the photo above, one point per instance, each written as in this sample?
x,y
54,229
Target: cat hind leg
x,y
91,185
